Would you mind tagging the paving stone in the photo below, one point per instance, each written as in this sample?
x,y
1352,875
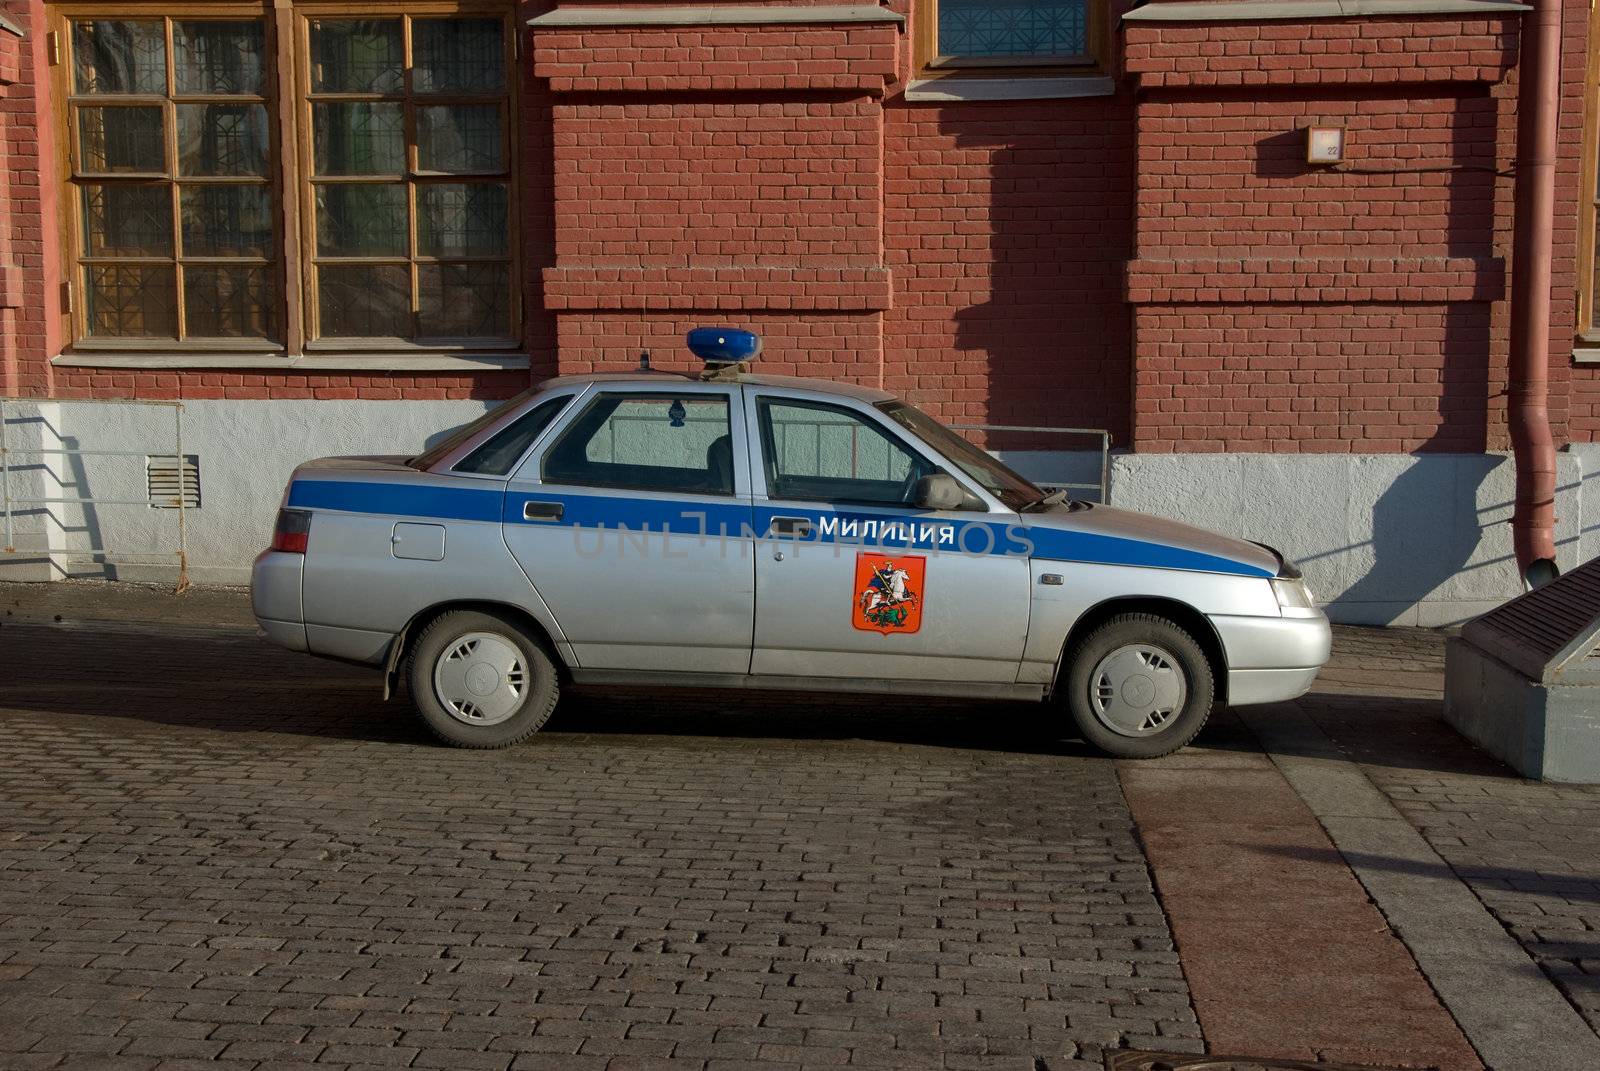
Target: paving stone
x,y
214,848
1530,851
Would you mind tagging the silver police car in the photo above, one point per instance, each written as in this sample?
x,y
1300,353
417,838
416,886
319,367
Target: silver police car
x,y
731,529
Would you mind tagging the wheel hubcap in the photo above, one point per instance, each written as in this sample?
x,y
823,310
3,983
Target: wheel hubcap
x,y
481,679
1137,690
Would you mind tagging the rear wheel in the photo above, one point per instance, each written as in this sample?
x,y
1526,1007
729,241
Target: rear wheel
x,y
1139,686
481,681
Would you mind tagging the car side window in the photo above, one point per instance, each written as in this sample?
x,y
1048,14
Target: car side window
x,y
497,454
647,442
827,453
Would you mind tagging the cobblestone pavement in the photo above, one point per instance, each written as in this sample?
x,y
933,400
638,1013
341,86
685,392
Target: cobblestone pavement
x,y
1530,851
213,852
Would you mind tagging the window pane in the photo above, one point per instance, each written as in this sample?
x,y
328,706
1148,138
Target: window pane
x,y
359,138
131,301
226,221
223,139
361,220
654,443
356,56
114,140
364,301
224,301
464,300
127,220
1594,295
496,456
461,220
1013,27
823,453
435,453
459,138
458,56
119,56
218,57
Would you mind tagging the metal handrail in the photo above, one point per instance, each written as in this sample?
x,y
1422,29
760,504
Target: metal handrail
x,y
7,500
1104,486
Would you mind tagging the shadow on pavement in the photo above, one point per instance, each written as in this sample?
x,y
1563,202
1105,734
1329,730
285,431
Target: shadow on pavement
x,y
1570,887
235,683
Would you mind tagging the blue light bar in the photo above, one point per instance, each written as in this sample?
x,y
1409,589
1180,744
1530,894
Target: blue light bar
x,y
723,345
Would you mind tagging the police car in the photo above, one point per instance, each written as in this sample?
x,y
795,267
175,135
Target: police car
x,y
731,529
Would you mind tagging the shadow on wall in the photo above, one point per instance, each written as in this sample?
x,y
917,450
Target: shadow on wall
x,y
1429,386
1427,541
36,527
1042,334
1421,539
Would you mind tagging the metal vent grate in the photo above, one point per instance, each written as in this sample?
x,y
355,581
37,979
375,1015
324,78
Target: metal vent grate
x,y
163,479
1547,629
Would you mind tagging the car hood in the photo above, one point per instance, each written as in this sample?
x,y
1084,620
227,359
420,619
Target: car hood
x,y
1122,537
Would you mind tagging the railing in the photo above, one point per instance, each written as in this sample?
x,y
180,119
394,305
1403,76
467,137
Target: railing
x,y
1104,486
9,502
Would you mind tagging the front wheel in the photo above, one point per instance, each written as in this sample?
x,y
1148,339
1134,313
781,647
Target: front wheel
x,y
480,681
1139,686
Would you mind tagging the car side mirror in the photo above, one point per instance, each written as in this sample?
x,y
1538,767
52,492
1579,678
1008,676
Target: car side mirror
x,y
939,491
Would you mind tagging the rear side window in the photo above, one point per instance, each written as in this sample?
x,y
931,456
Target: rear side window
x,y
647,442
497,454
442,449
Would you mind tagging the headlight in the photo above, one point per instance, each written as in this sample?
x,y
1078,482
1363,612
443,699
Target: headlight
x,y
1293,594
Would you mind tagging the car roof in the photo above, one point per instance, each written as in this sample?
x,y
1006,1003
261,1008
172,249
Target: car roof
x,y
655,378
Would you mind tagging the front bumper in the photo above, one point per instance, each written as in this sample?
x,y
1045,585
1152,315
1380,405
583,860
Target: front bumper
x,y
1272,659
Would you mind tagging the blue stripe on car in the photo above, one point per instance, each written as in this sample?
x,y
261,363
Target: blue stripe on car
x,y
899,529
398,500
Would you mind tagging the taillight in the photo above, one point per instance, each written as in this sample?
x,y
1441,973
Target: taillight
x,y
292,531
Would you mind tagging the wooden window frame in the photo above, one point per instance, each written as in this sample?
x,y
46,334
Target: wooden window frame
x,y
285,93
71,178
304,15
930,63
1589,193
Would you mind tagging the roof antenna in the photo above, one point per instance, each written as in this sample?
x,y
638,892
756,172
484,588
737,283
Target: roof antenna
x,y
644,361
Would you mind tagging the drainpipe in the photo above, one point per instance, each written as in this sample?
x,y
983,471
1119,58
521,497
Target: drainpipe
x,y
1528,388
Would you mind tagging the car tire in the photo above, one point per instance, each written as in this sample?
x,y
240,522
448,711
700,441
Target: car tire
x,y
480,680
1138,687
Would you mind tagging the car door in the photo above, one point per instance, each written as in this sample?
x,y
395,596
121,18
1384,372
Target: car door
x,y
852,580
632,521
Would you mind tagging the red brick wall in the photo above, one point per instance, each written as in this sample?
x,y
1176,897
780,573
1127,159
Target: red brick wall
x,y
1159,262
1367,51
1280,306
689,59
1007,227
1575,390
22,228
719,174
719,184
969,256
1292,377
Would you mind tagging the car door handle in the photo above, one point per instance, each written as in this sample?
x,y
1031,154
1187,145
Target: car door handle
x,y
790,526
542,511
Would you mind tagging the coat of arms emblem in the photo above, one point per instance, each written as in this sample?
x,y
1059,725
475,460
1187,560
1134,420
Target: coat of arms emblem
x,y
888,592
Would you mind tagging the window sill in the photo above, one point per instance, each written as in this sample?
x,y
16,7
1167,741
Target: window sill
x,y
976,88
317,362
1586,353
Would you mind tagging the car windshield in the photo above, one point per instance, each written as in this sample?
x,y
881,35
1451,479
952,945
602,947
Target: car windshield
x,y
1010,488
433,455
